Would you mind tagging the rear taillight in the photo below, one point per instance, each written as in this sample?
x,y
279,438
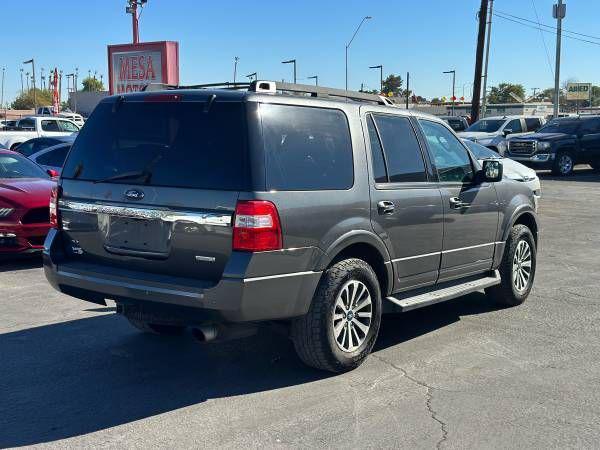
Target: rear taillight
x,y
54,216
256,227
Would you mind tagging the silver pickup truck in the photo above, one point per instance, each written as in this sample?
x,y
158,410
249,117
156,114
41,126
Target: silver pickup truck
x,y
37,126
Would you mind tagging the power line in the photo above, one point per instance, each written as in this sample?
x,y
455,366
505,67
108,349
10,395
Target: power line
x,y
542,36
547,26
545,31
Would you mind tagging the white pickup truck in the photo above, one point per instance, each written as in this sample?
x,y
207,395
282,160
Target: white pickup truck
x,y
36,126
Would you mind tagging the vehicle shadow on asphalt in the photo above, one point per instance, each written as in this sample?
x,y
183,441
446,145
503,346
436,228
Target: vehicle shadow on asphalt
x,y
24,263
73,378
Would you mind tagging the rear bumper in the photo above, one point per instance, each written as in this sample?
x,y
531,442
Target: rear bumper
x,y
17,238
235,298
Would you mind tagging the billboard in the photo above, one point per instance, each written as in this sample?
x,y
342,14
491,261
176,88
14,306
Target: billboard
x,y
579,91
131,67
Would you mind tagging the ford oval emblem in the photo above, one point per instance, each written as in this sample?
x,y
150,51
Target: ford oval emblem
x,y
134,194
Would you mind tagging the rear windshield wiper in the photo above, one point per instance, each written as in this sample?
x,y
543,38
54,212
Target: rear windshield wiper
x,y
127,175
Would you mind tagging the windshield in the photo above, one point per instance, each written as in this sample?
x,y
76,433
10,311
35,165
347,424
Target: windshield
x,y
560,126
17,166
163,143
481,152
486,125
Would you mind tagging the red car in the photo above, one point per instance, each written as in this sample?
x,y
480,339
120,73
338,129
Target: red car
x,y
24,204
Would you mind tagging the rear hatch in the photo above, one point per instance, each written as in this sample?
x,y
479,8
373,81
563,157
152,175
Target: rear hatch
x,y
151,184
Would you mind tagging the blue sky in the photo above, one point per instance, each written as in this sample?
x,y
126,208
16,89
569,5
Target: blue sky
x,y
424,37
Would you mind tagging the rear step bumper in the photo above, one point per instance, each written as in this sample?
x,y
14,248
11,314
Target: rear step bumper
x,y
449,291
233,299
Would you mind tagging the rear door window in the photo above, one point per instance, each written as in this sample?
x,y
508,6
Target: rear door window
x,y
306,148
533,123
68,126
403,156
515,126
163,143
50,126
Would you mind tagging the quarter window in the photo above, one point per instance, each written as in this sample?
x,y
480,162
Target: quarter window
x,y
450,157
306,148
403,156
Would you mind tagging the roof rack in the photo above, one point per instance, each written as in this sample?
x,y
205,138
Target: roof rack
x,y
272,87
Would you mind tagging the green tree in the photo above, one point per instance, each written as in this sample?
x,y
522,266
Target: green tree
x,y
393,83
501,93
91,84
435,101
25,99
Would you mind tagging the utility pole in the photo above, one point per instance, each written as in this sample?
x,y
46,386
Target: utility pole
x,y
380,67
235,63
487,56
316,78
479,61
60,75
133,10
350,42
559,12
407,87
291,61
535,91
21,80
453,72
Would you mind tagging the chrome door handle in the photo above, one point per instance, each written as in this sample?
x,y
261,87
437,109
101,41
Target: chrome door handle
x,y
385,207
457,203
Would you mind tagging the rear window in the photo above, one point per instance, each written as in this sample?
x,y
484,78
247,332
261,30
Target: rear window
x,y
306,148
158,143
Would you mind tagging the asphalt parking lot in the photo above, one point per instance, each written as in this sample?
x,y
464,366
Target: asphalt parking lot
x,y
455,375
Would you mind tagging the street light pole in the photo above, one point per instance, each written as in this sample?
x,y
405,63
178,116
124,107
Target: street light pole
x,y
559,12
453,72
250,75
487,56
291,61
21,80
348,45
316,78
2,95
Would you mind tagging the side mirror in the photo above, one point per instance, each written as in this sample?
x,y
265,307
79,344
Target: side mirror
x,y
53,173
507,131
492,170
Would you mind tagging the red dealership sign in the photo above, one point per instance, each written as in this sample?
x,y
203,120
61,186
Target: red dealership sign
x,y
131,67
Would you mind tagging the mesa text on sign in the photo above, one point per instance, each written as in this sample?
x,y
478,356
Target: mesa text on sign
x,y
132,71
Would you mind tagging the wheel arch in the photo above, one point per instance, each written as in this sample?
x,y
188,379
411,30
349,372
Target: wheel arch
x,y
527,217
366,246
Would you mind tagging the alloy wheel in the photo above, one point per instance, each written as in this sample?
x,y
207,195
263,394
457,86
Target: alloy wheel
x,y
352,314
521,268
565,164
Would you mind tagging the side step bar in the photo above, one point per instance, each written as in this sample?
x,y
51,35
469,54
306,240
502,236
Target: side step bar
x,y
408,301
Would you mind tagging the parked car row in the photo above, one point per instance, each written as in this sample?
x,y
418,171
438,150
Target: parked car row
x,y
37,126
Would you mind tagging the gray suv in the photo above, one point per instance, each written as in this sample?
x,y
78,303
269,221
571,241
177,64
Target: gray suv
x,y
316,210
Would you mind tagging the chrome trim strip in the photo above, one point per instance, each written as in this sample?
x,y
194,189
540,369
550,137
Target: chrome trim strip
x,y
205,258
468,248
216,219
446,251
425,255
283,275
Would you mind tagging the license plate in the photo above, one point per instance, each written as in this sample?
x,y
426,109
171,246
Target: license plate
x,y
137,234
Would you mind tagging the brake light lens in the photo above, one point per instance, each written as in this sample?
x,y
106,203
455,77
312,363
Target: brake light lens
x,y
54,217
257,227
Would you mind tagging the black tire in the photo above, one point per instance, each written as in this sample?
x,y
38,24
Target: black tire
x,y
564,163
313,334
154,328
507,293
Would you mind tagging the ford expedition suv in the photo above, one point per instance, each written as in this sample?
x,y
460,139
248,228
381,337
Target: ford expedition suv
x,y
559,145
316,209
